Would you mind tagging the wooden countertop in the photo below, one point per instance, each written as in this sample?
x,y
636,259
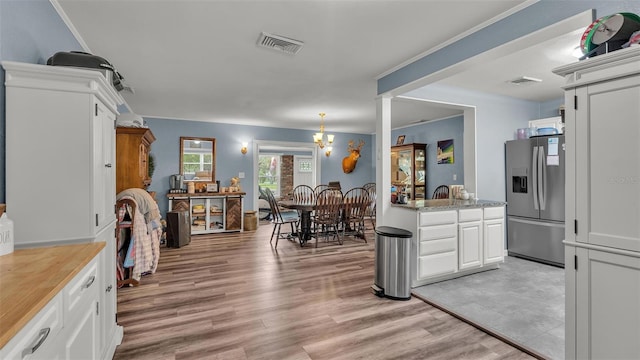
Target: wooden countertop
x,y
30,278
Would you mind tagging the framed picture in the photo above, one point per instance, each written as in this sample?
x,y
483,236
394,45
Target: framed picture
x,y
400,140
445,151
212,187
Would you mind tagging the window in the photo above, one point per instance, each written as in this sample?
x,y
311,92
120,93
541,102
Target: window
x,y
305,166
269,172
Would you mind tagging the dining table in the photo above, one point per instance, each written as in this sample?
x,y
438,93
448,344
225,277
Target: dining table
x,y
305,210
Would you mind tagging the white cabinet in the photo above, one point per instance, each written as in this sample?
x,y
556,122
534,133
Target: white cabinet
x,y
454,242
82,326
603,206
493,235
37,338
68,326
110,334
470,238
437,244
60,169
59,158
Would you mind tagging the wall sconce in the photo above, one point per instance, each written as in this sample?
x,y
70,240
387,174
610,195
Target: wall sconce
x,y
243,150
328,152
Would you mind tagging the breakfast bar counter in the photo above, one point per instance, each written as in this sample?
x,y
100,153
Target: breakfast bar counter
x,y
445,204
451,238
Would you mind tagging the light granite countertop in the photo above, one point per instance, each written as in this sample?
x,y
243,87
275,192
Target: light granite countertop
x,y
447,204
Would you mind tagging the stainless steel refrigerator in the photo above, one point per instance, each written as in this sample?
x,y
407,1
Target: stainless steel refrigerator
x,y
535,170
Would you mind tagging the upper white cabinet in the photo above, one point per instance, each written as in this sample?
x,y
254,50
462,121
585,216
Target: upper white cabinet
x,y
602,252
60,153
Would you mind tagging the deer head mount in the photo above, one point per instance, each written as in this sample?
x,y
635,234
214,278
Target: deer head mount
x,y
349,162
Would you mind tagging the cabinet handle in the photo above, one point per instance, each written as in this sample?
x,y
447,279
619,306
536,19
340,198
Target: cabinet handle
x,y
89,282
109,288
107,165
42,336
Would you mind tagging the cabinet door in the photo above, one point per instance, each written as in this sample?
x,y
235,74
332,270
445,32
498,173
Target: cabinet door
x,y
607,312
493,241
104,187
107,298
233,216
607,157
470,242
81,340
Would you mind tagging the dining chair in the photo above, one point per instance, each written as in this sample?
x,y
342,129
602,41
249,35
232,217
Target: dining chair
x,y
319,188
371,209
441,192
356,201
280,217
303,194
327,214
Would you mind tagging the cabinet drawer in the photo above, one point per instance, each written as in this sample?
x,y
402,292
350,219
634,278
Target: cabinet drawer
x,y
437,246
83,288
469,215
437,232
42,330
438,264
438,218
494,213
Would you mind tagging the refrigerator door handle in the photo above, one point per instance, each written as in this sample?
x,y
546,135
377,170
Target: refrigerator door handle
x,y
534,177
542,178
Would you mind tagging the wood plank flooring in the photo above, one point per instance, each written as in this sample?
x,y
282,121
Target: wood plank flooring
x,y
234,296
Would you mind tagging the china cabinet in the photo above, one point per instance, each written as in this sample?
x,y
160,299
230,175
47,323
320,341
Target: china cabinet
x,y
602,253
409,169
132,157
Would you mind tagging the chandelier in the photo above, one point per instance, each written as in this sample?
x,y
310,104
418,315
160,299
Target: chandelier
x,y
318,137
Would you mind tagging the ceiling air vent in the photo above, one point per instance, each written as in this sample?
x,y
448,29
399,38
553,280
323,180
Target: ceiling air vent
x,y
279,43
524,80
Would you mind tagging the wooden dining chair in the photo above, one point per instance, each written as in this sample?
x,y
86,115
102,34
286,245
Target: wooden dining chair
x,y
327,215
441,192
356,201
319,189
371,210
280,217
303,194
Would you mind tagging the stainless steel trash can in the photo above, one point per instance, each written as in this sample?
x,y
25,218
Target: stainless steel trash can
x,y
392,263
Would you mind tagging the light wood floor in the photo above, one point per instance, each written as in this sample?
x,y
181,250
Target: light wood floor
x,y
235,297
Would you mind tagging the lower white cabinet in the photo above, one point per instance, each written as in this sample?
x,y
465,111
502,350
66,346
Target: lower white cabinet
x,y
37,340
82,336
470,238
493,235
68,327
452,243
602,295
437,252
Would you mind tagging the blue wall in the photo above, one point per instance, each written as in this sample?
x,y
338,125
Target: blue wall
x,y
30,32
229,160
430,133
497,118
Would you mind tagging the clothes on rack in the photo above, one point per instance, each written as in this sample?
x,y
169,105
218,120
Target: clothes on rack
x,y
139,239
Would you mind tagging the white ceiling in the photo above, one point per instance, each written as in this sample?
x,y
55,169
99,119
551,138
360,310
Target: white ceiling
x,y
198,59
